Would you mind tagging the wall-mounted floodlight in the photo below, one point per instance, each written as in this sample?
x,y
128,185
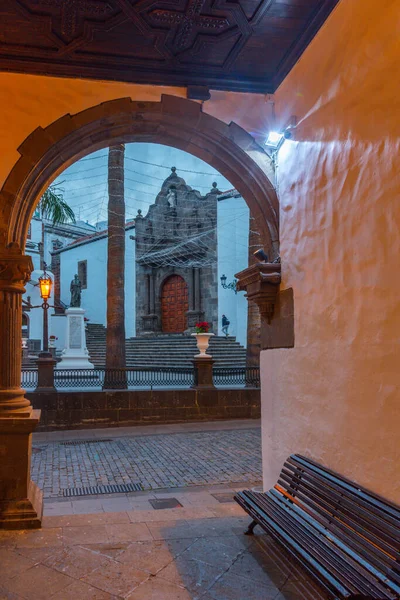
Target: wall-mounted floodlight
x,y
275,138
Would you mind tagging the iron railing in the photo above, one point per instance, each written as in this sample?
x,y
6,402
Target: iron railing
x,y
29,379
143,377
237,376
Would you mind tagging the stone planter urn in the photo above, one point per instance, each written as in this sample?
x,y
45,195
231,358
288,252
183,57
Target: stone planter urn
x,y
203,340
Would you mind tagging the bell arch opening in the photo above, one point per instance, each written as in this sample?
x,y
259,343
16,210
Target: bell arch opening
x,y
173,121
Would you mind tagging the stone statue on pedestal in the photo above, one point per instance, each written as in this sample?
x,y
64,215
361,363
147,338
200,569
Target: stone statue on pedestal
x,y
75,289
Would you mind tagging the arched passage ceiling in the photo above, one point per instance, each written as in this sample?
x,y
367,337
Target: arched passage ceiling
x,y
247,45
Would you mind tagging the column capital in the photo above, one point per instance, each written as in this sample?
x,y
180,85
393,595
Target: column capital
x,y
15,268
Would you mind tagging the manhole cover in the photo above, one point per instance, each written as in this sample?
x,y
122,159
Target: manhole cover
x,y
160,503
103,489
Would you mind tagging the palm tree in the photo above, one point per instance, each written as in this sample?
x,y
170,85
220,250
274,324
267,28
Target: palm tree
x,y
253,313
53,206
115,341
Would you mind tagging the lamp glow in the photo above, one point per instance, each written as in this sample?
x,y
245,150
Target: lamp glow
x,y
45,284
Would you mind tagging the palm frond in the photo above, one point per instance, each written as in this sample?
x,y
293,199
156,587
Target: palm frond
x,y
54,207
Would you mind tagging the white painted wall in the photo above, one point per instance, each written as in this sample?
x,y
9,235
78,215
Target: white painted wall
x,y
94,298
233,246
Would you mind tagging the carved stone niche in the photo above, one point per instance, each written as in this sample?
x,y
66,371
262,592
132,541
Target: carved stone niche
x,y
261,283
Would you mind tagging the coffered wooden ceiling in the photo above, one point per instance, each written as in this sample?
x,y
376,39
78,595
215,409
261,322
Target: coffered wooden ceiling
x,y
239,45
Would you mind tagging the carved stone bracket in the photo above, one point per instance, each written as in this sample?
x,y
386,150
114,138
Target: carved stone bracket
x,y
15,269
261,284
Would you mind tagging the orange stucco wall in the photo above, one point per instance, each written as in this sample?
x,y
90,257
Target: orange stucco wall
x,y
336,396
29,101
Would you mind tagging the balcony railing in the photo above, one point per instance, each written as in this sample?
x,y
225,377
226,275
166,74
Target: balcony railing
x,y
142,378
236,376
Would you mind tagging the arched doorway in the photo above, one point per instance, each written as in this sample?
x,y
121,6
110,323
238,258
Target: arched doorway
x,y
174,305
44,154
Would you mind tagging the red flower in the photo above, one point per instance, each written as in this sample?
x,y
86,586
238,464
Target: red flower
x,y
202,327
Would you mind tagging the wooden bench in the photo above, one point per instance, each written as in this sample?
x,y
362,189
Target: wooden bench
x,y
344,535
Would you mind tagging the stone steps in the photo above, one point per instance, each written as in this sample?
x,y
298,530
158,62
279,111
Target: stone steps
x,y
165,350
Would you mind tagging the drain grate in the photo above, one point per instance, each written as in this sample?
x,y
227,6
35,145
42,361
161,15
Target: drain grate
x,y
80,442
120,488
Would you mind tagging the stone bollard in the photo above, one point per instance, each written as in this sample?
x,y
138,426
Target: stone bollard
x,y
204,367
45,366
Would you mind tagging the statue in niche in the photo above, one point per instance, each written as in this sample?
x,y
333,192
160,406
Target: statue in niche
x,y
171,197
76,292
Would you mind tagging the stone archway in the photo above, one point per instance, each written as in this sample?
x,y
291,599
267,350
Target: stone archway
x,y
45,154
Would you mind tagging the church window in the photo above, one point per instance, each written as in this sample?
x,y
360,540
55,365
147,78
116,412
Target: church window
x,y
82,273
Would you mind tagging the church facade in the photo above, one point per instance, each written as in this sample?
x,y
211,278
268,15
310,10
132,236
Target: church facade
x,y
175,256
176,260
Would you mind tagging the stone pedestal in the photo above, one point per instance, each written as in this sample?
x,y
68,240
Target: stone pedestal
x,y
75,355
204,368
20,499
45,366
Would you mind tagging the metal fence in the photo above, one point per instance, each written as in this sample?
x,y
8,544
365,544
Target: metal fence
x,y
145,378
29,379
237,376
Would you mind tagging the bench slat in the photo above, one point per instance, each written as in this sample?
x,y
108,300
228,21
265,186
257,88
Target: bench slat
x,y
344,561
380,573
347,537
346,527
330,499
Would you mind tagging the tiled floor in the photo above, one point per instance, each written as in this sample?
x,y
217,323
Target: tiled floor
x,y
187,553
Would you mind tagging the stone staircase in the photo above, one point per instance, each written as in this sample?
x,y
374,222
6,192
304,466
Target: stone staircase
x,y
173,350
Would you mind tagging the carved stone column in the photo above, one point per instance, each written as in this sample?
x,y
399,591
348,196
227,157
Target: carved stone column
x,y
20,499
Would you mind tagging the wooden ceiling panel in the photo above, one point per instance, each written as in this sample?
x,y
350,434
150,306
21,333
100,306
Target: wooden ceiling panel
x,y
241,45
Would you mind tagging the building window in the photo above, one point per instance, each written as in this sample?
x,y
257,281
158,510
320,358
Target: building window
x,y
82,273
30,231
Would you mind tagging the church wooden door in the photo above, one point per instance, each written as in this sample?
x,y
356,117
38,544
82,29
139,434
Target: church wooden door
x,y
174,305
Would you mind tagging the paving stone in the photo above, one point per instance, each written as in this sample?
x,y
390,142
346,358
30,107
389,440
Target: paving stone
x,y
128,532
40,538
194,575
157,461
38,583
89,534
116,578
79,590
75,561
12,563
231,587
212,552
152,556
159,589
165,530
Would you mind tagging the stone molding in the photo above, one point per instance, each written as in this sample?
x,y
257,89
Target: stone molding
x,y
15,269
261,282
173,121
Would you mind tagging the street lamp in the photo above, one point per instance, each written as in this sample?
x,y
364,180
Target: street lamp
x,y
229,286
45,284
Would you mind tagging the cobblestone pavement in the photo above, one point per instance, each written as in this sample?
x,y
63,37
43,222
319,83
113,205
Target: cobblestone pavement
x,y
155,461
